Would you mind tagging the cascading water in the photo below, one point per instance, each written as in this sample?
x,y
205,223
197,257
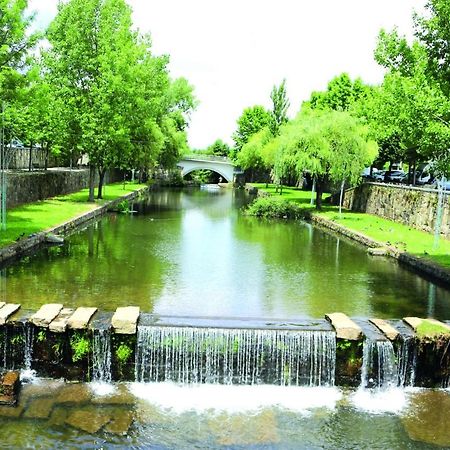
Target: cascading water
x,y
407,360
379,368
101,356
28,332
235,356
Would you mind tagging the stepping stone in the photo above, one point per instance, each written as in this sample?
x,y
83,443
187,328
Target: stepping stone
x,y
122,396
6,311
387,329
121,422
13,412
413,322
40,408
124,320
46,314
88,420
58,416
80,318
74,393
59,324
344,326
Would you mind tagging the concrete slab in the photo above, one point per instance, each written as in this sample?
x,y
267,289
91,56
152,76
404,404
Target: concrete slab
x,y
344,326
40,408
46,314
80,318
2,304
6,311
124,320
59,324
413,322
387,329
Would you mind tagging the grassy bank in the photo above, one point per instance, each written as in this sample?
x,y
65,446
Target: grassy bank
x,y
35,217
404,238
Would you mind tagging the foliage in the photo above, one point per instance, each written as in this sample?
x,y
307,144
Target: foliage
x,y
123,353
81,346
41,336
430,329
123,206
250,122
218,148
280,107
274,208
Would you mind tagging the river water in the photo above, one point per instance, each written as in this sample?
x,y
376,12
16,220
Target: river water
x,y
192,252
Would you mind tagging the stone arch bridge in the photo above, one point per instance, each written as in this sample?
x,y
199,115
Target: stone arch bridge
x,y
219,164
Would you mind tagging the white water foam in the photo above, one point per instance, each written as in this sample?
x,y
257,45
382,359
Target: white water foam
x,y
180,398
102,388
380,401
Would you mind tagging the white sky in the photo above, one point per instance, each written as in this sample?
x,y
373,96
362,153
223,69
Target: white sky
x,y
234,51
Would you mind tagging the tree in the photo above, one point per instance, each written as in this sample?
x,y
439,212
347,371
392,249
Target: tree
x,y
250,122
280,107
219,148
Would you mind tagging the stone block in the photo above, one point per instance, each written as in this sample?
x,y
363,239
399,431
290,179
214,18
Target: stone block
x,y
46,314
39,408
80,318
74,393
413,322
387,329
344,326
89,420
9,388
2,304
120,423
6,311
59,324
124,320
378,251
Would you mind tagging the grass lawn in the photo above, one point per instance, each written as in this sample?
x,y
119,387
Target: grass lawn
x,y
34,217
405,238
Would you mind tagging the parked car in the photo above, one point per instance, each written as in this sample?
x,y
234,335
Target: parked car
x,y
445,184
379,176
394,176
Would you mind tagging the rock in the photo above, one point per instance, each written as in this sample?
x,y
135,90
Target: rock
x,y
40,389
413,322
46,314
58,416
124,320
9,388
120,423
121,396
59,324
89,420
74,393
40,408
344,326
2,304
6,311
387,329
80,318
13,412
441,324
378,251
54,239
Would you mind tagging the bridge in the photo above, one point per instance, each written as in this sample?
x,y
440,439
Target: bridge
x,y
219,164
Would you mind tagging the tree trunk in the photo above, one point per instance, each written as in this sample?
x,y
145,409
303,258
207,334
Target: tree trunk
x,y
47,151
319,191
91,182
101,179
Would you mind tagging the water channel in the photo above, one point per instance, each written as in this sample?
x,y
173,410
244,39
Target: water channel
x,y
192,253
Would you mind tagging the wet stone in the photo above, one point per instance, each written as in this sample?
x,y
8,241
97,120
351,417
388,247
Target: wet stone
x,y
13,412
90,420
124,320
74,393
46,314
80,318
36,390
6,311
58,416
121,396
39,408
120,423
345,327
59,324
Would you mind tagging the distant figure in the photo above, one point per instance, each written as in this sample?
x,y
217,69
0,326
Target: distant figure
x,y
220,179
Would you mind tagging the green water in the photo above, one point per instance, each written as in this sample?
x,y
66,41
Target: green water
x,y
193,253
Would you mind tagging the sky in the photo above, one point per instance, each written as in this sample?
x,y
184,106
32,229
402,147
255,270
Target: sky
x,y
233,52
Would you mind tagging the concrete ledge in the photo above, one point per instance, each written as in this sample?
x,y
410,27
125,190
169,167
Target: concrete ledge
x,y
59,324
46,314
413,322
344,326
2,304
387,329
80,318
6,311
124,320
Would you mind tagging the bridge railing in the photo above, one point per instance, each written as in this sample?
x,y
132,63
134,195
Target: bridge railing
x,y
201,157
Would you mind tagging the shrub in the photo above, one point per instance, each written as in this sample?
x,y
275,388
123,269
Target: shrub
x,y
274,208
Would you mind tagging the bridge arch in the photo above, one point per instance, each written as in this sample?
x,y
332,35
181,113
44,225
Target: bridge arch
x,y
212,169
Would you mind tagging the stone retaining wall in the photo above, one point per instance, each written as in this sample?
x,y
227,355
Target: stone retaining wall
x,y
415,207
28,187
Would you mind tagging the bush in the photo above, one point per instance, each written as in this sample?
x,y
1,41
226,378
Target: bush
x,y
274,208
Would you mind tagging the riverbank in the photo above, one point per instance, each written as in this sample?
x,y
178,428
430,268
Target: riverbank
x,y
28,225
412,247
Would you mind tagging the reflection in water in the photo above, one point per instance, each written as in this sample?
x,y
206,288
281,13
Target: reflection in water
x,y
192,252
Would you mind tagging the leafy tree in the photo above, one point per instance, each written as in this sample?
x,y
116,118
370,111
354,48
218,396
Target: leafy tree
x,y
250,122
280,107
219,148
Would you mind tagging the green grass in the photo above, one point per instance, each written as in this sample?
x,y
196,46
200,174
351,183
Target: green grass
x,y
303,198
35,217
430,329
387,232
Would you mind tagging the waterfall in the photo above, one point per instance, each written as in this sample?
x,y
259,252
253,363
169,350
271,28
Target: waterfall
x,y
28,331
101,356
407,359
379,366
235,356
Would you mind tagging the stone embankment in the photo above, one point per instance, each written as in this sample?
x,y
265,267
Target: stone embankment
x,y
60,342
33,242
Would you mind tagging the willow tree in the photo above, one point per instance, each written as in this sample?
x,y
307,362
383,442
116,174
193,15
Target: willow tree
x,y
330,145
